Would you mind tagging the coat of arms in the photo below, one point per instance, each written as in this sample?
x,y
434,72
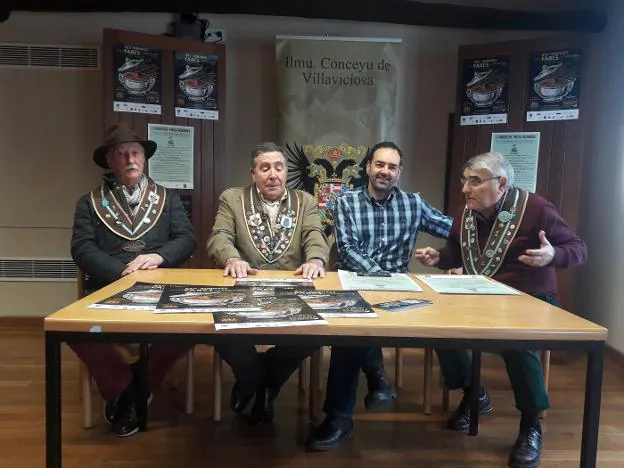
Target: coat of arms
x,y
326,172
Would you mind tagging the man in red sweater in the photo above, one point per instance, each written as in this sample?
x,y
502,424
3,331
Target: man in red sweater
x,y
517,238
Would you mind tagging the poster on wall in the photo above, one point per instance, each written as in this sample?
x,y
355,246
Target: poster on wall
x,y
172,163
522,151
195,86
137,79
485,91
555,85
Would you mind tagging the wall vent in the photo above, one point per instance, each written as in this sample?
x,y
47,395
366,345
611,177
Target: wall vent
x,y
48,56
38,269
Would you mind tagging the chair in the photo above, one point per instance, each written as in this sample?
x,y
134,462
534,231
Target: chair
x,y
427,375
317,358
86,382
309,378
545,358
428,372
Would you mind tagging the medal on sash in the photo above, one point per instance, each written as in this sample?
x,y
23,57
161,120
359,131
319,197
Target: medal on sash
x,y
505,216
112,214
503,232
134,246
286,222
270,243
254,220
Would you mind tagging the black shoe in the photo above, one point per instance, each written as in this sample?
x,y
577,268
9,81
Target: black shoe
x,y
380,390
527,450
111,408
126,421
263,410
460,419
329,434
239,402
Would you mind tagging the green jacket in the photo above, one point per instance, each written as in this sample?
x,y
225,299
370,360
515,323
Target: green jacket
x,y
242,230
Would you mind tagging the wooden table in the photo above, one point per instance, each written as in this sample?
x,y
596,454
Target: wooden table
x,y
477,323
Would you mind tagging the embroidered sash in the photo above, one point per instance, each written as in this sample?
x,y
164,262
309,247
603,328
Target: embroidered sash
x,y
110,210
270,242
502,234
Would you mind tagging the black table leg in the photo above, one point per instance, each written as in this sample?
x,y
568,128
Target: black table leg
x,y
591,413
53,401
143,386
476,393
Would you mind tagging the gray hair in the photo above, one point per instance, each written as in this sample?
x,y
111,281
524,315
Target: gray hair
x,y
266,147
494,163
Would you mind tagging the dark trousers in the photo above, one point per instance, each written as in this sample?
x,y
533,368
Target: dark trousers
x,y
524,369
254,370
342,382
113,374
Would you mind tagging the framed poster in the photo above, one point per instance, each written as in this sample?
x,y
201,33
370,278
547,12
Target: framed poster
x,y
555,85
485,91
137,79
196,89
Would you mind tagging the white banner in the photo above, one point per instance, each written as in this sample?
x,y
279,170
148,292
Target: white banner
x,y
336,98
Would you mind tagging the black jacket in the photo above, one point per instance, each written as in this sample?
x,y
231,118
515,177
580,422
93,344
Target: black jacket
x,y
98,251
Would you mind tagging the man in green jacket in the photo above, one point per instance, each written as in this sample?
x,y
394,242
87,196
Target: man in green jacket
x,y
266,226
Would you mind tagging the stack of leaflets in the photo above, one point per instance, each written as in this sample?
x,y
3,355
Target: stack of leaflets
x,y
402,304
333,303
275,282
257,291
275,311
182,299
269,286
139,296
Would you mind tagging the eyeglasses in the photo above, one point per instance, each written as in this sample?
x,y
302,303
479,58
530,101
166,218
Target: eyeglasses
x,y
475,181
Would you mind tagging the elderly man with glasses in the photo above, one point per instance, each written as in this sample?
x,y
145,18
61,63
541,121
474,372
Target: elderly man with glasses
x,y
517,238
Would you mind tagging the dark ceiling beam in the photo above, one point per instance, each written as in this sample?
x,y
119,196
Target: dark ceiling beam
x,y
406,12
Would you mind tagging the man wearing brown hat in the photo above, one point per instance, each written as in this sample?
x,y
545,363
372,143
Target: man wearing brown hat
x,y
128,223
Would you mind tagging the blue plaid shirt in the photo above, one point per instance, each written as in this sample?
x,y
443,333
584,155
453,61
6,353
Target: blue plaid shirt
x,y
373,236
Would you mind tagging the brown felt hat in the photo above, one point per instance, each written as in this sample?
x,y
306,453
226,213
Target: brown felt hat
x,y
121,133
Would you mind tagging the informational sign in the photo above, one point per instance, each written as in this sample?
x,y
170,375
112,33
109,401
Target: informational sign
x,y
522,151
172,163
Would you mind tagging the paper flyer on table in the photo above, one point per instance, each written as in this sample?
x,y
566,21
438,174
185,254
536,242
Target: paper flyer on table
x,y
394,282
466,284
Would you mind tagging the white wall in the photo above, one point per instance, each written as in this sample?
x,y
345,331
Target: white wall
x,y
601,290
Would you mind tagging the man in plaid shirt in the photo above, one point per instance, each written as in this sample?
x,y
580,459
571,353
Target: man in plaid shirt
x,y
376,229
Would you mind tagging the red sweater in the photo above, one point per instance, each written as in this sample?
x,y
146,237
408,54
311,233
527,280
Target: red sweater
x,y
540,214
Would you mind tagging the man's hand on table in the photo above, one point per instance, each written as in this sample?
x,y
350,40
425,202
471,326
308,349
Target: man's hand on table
x,y
143,262
312,269
238,268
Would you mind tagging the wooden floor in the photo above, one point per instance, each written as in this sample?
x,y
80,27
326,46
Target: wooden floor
x,y
398,436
